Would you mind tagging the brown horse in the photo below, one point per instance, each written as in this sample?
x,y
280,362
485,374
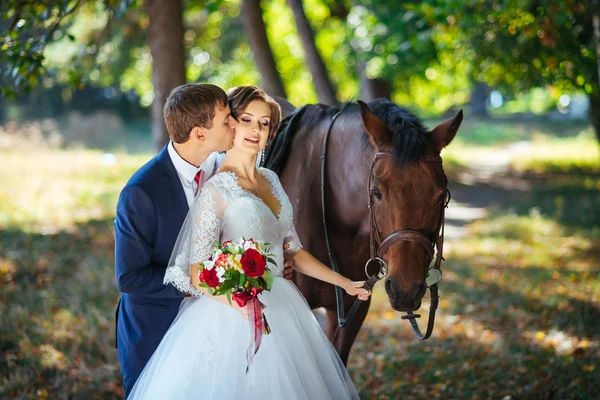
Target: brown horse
x,y
406,193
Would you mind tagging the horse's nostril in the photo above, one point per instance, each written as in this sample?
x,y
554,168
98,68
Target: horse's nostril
x,y
389,288
419,291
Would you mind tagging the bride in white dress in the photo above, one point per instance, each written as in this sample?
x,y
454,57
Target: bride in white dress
x,y
203,355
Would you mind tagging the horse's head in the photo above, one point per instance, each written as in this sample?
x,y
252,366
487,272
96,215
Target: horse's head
x,y
408,193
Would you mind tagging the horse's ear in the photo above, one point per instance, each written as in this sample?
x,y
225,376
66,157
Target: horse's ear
x,y
443,134
379,133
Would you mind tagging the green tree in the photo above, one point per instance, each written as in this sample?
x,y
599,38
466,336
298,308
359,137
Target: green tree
x,y
165,34
523,44
321,81
256,31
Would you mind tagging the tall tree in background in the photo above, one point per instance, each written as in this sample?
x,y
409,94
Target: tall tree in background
x,y
370,88
263,56
321,81
478,100
165,35
391,42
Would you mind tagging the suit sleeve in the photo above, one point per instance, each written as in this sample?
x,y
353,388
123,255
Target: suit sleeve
x,y
135,228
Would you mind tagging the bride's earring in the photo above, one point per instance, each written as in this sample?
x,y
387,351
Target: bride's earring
x,y
262,155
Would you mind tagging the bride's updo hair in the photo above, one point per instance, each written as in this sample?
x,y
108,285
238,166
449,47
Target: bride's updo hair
x,y
241,96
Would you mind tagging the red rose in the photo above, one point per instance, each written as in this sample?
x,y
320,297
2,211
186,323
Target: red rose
x,y
209,276
253,263
242,298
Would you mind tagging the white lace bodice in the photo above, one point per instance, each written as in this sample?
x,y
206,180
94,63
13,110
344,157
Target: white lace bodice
x,y
225,211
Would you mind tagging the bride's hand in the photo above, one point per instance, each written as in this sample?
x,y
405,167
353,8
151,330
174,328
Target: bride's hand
x,y
355,289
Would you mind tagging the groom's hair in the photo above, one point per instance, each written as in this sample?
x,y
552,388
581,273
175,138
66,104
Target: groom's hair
x,y
192,105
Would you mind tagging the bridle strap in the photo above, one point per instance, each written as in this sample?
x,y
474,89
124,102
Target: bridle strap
x,y
339,299
412,317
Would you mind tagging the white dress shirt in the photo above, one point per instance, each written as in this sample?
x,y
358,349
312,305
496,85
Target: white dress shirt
x,y
187,171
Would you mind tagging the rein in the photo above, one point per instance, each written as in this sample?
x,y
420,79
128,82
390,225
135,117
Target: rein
x,y
378,247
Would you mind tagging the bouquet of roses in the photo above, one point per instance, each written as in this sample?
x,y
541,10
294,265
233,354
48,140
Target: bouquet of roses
x,y
239,270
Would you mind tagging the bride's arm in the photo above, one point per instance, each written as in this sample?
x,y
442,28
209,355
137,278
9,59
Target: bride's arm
x,y
206,233
305,263
195,244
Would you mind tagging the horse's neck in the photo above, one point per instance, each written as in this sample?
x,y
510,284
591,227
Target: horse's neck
x,y
349,162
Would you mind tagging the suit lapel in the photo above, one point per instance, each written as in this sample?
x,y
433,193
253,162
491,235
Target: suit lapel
x,y
173,183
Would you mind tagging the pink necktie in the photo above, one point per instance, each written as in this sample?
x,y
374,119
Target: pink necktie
x,y
199,179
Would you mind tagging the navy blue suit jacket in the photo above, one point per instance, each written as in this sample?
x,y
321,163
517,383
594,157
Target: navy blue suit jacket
x,y
150,213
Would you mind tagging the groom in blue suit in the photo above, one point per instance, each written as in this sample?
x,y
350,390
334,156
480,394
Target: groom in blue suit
x,y
150,213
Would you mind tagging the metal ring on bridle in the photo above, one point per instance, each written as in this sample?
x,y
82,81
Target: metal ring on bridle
x,y
383,270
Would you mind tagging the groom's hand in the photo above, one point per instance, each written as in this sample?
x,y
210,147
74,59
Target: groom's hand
x,y
287,270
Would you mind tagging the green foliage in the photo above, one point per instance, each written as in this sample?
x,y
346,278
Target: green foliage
x,y
27,30
430,52
392,37
521,44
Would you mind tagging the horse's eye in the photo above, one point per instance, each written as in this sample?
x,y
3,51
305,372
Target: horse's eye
x,y
377,194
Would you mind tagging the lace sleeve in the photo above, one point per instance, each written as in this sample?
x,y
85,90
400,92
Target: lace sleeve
x,y
292,239
196,240
287,213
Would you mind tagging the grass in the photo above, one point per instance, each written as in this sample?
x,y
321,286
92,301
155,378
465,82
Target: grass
x,y
53,188
518,315
578,155
503,131
539,156
57,288
518,318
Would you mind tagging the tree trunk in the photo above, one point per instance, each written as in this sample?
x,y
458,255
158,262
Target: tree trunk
x,y
371,89
595,98
259,42
165,35
321,81
596,23
594,113
479,96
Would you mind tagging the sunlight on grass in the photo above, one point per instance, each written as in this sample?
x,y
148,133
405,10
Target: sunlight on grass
x,y
52,189
573,155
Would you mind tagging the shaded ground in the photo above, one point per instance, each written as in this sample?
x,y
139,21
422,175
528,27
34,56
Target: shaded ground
x,y
519,315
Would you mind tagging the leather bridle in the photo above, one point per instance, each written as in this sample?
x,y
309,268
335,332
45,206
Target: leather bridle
x,y
379,247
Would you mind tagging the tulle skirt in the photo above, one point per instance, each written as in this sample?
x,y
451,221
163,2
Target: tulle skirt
x,y
203,355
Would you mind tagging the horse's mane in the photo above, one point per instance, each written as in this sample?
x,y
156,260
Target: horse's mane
x,y
278,151
410,138
408,143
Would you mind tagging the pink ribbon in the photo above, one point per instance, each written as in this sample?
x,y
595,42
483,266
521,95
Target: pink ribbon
x,y
258,326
